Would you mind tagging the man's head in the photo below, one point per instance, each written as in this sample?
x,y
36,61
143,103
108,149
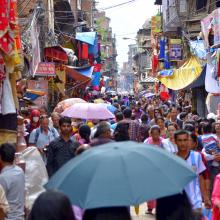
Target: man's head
x,y
55,118
150,111
44,122
7,154
65,126
43,110
207,128
182,139
119,116
144,118
127,113
103,130
173,113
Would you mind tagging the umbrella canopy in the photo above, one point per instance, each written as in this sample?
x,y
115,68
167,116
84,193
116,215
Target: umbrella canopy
x,y
61,106
88,111
110,107
121,174
149,95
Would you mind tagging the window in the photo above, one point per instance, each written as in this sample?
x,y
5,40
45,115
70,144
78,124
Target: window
x,y
200,4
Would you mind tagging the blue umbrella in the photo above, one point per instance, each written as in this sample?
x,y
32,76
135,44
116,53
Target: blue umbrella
x,y
121,174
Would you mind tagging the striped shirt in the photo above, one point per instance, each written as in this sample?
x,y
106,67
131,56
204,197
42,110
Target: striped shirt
x,y
60,152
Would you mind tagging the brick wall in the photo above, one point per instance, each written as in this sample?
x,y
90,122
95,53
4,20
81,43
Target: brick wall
x,y
87,10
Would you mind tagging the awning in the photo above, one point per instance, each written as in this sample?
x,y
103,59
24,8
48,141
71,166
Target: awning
x,y
87,37
83,75
183,76
56,53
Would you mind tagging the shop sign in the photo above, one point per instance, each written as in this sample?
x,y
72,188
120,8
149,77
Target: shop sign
x,y
46,69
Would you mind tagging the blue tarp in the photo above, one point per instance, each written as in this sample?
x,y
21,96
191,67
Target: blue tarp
x,y
31,96
96,79
87,72
87,37
166,73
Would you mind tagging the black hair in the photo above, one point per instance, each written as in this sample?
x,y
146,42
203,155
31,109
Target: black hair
x,y
174,207
133,116
84,132
102,128
183,115
194,138
159,118
207,128
154,128
7,152
64,120
121,132
189,127
173,124
144,118
180,132
52,205
127,113
113,213
119,116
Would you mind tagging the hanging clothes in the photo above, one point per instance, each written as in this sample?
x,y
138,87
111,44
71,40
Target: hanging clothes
x,y
154,63
162,49
167,61
211,84
2,69
218,63
85,51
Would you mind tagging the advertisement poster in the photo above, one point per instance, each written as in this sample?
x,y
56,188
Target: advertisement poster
x,y
39,85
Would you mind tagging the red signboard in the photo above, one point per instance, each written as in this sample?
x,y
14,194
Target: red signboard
x,y
46,69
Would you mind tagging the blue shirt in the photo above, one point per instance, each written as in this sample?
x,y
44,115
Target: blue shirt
x,y
13,182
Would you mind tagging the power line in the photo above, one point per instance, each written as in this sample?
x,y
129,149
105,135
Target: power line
x,y
114,6
20,12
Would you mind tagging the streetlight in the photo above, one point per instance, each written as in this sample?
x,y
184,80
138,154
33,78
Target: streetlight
x,y
128,38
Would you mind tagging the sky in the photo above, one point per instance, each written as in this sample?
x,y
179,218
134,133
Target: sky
x,y
126,20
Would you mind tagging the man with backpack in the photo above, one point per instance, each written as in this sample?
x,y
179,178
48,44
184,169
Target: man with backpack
x,y
42,136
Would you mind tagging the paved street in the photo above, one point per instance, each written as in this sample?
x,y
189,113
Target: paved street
x,y
142,215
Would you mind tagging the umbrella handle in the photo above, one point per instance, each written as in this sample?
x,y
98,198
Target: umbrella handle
x,y
137,209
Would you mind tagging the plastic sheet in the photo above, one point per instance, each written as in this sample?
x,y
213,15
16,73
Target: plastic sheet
x,y
35,175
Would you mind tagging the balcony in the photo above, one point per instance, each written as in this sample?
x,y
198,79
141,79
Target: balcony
x,y
172,14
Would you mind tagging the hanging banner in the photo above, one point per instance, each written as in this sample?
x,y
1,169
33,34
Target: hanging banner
x,y
156,24
175,49
210,24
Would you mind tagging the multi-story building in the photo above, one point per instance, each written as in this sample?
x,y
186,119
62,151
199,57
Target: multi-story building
x,y
108,45
143,56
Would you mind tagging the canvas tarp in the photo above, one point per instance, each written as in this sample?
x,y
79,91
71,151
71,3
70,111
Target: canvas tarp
x,y
183,76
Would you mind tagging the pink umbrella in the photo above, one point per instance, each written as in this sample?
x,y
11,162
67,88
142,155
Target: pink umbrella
x,y
88,111
61,106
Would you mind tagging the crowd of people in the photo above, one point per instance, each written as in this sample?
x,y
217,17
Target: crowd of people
x,y
173,127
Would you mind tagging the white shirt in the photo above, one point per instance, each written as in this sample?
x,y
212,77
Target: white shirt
x,y
169,146
193,188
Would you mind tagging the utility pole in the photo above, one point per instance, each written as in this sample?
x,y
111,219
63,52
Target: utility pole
x,y
41,19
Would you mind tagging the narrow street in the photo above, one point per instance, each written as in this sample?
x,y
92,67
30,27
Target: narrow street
x,y
142,215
